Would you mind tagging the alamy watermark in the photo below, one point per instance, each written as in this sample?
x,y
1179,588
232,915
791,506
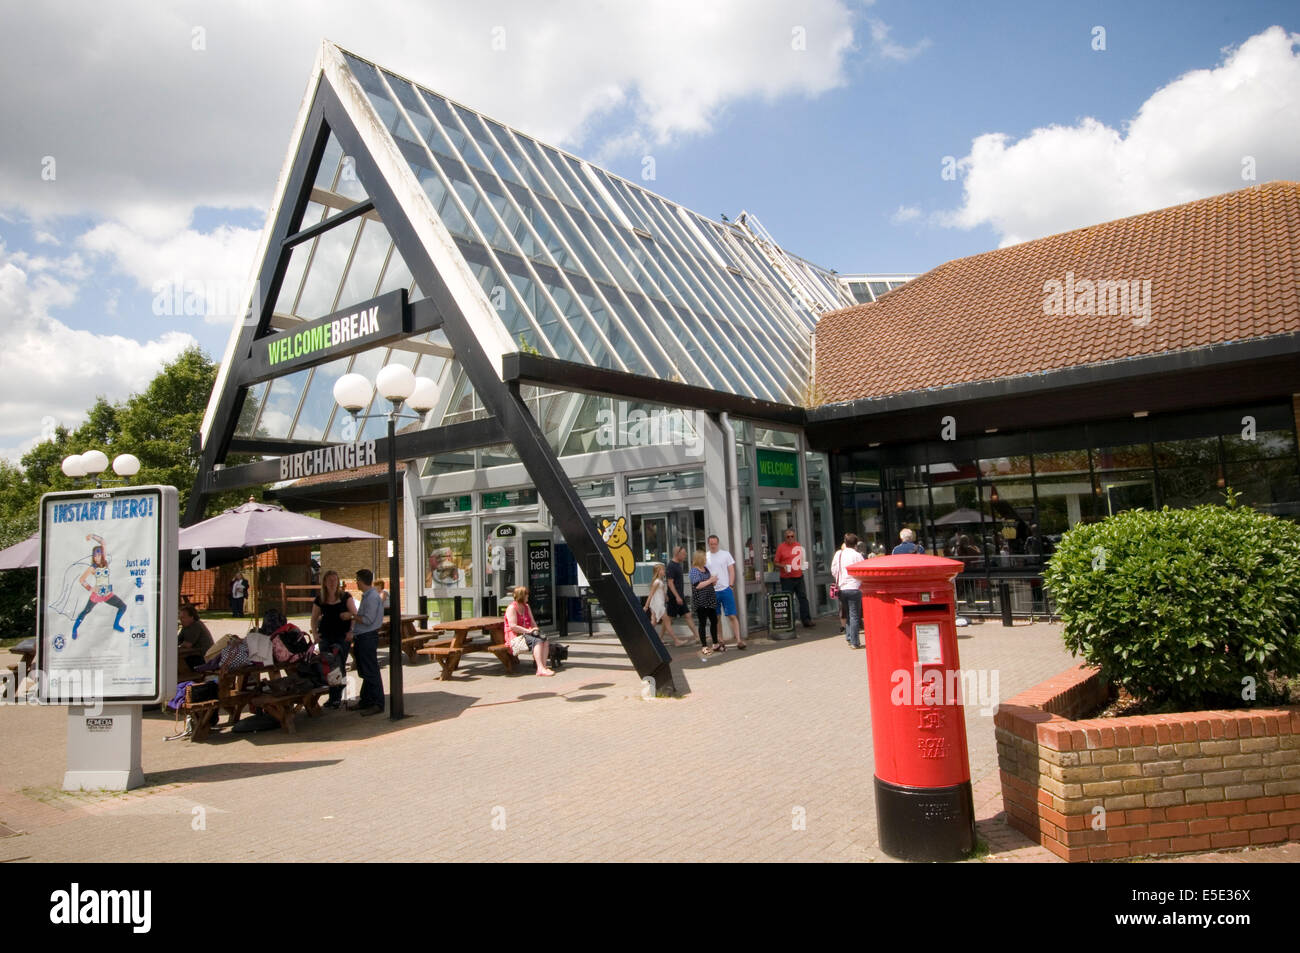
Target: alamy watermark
x,y
930,689
178,296
1119,297
65,686
648,428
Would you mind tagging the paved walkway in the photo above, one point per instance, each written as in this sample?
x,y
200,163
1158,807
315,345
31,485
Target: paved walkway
x,y
767,757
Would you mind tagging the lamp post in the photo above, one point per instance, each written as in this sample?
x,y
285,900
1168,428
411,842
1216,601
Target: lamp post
x,y
398,386
92,463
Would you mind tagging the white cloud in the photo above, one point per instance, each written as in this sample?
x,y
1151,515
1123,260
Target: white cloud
x,y
905,213
50,373
208,271
144,128
1191,139
890,50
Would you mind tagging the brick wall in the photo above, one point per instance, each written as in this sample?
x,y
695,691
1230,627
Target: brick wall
x,y
210,588
372,554
1164,783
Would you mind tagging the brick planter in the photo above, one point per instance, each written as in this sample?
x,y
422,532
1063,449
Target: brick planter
x,y
1107,788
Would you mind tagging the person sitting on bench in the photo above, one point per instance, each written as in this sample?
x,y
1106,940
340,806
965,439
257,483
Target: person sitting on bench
x,y
519,624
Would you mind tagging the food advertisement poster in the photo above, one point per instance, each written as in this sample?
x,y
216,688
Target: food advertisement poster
x,y
449,559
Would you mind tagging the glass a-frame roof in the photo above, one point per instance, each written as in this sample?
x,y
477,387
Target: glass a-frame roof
x,y
585,266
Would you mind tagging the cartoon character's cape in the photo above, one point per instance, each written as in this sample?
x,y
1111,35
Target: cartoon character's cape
x,y
69,600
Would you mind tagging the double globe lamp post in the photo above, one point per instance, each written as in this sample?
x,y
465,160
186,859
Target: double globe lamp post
x,y
398,386
92,463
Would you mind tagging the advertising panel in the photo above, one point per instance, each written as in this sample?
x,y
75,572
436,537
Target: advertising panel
x,y
450,554
107,594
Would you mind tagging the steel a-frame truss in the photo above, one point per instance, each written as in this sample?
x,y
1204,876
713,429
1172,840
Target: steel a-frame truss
x,y
385,176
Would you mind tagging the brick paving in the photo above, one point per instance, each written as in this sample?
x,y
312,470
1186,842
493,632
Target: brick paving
x,y
767,757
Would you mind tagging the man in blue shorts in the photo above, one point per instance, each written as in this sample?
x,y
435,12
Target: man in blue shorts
x,y
723,567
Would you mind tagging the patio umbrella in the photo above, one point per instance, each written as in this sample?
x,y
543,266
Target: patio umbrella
x,y
254,527
22,555
259,526
958,518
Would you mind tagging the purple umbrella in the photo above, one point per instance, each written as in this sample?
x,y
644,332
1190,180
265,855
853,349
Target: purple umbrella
x,y
22,555
254,525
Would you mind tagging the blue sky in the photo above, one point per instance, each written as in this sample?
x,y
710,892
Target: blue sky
x,y
168,126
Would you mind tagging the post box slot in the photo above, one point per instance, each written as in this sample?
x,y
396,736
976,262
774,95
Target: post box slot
x,y
925,607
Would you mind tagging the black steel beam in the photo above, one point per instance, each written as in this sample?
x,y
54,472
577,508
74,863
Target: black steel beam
x,y
622,607
583,378
266,447
410,446
311,231
1164,388
315,136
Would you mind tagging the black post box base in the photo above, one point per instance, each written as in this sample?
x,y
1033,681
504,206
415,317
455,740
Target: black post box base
x,y
925,824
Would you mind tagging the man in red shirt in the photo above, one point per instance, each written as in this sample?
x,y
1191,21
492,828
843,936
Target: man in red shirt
x,y
790,560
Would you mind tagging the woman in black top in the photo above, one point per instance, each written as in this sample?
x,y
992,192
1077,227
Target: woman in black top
x,y
331,624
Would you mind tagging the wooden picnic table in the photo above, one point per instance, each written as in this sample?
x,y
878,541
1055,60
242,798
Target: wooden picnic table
x,y
283,707
408,627
448,651
234,694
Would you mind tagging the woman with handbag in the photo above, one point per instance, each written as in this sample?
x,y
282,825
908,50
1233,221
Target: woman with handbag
x,y
523,634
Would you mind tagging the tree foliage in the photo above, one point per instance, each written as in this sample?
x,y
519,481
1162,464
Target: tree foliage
x,y
158,425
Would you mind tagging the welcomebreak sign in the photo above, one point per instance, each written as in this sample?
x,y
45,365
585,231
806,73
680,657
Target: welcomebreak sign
x,y
359,328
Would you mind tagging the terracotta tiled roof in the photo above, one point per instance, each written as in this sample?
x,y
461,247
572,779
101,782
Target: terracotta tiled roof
x,y
1220,269
347,476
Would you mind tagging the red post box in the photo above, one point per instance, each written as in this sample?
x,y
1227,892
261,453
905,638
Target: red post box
x,y
924,809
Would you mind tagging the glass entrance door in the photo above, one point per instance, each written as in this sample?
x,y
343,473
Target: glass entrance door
x,y
502,567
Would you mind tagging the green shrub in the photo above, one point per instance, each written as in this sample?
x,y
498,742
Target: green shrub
x,y
1182,607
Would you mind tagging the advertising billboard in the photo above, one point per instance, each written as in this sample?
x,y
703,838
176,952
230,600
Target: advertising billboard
x,y
107,595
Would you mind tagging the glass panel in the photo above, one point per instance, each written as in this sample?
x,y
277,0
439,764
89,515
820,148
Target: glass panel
x,y
320,290
595,489
281,405
1065,498
329,165
1123,478
253,398
396,275
1009,491
449,557
961,519
1266,445
319,403
493,154
861,511
1272,486
367,261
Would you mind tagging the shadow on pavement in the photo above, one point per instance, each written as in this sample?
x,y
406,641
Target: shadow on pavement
x,y
230,771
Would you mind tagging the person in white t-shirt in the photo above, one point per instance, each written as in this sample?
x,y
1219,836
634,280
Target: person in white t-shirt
x,y
723,567
850,587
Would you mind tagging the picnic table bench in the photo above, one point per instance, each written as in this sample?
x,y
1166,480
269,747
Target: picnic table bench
x,y
26,652
283,707
448,651
234,693
409,630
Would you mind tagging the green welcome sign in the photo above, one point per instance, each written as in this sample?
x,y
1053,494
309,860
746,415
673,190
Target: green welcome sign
x,y
778,468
